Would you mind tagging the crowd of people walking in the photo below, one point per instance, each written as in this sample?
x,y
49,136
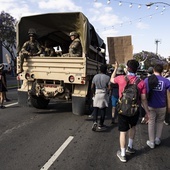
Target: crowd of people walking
x,y
153,93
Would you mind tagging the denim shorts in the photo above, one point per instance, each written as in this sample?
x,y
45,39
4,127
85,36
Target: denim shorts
x,y
114,100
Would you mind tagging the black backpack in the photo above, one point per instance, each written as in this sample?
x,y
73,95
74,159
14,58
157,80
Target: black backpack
x,y
128,104
152,83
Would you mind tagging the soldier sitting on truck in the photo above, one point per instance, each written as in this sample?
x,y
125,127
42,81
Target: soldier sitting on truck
x,y
75,48
48,50
30,48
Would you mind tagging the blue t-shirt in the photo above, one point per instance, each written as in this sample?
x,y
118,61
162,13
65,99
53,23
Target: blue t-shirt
x,y
159,95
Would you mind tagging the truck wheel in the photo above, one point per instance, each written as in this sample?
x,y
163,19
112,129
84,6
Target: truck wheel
x,y
38,102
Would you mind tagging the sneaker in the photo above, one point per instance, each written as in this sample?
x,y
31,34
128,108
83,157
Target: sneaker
x,y
122,158
130,150
150,144
157,141
100,127
166,123
90,116
94,127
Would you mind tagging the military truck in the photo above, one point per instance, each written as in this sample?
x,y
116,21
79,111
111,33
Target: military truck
x,y
57,77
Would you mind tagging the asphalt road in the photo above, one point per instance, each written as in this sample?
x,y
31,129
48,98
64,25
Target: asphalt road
x,y
56,139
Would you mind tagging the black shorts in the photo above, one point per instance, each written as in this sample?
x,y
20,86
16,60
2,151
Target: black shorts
x,y
126,122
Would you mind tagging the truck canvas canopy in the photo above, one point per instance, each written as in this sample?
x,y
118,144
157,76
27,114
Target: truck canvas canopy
x,y
56,28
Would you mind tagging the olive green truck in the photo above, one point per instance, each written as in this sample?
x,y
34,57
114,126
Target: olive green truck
x,y
57,77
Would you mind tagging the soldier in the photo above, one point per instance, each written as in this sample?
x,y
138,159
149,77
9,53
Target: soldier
x,y
30,48
48,50
75,48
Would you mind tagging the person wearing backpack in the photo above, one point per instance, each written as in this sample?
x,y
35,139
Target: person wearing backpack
x,y
128,118
157,103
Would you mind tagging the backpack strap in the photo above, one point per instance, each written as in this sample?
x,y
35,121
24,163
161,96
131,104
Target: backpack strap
x,y
137,81
127,79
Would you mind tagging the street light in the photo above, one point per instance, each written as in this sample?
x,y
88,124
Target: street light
x,y
152,3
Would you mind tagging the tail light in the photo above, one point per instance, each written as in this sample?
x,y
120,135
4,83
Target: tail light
x,y
83,79
71,78
27,76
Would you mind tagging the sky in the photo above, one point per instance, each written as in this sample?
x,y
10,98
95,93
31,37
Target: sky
x,y
117,18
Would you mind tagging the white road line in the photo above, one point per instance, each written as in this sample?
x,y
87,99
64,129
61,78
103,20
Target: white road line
x,y
8,105
57,153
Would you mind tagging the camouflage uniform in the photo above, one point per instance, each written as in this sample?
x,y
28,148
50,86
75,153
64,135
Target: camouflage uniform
x,y
75,48
29,49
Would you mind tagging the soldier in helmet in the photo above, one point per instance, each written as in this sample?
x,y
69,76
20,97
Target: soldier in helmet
x,y
30,48
75,48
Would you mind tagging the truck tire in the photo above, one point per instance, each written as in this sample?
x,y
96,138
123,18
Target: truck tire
x,y
38,102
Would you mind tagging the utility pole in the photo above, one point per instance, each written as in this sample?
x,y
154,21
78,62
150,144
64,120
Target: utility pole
x,y
156,42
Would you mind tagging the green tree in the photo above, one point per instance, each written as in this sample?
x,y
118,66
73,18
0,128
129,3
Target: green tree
x,y
8,33
151,58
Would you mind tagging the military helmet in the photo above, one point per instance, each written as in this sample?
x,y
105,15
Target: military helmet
x,y
32,32
73,33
